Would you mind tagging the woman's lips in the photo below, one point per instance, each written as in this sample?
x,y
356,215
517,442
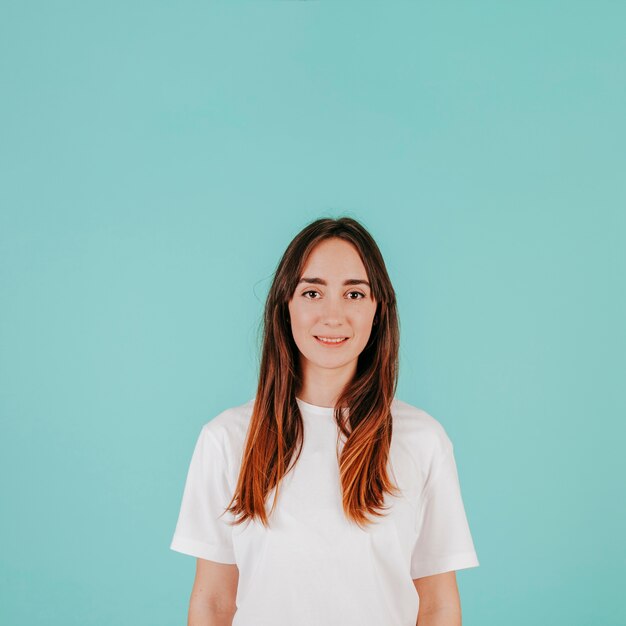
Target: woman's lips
x,y
331,344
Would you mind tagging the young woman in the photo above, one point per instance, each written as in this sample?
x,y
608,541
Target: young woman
x,y
367,524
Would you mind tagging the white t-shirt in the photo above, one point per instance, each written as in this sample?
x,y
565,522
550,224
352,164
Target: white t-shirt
x,y
312,566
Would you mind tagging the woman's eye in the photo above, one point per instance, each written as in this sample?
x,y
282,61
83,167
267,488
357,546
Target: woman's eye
x,y
352,292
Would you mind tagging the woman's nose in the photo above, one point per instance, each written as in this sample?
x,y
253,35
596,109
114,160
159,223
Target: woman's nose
x,y
333,311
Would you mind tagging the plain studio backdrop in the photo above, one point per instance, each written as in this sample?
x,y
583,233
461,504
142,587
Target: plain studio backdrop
x,y
157,157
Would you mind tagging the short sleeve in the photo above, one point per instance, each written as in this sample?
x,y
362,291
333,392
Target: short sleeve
x,y
200,531
444,542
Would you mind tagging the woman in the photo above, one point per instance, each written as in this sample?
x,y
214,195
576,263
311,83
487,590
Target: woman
x,y
342,543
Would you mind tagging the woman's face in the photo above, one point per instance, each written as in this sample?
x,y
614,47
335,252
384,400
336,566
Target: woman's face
x,y
332,300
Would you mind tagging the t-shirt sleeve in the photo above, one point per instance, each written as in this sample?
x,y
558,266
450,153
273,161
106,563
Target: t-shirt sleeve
x,y
200,531
444,542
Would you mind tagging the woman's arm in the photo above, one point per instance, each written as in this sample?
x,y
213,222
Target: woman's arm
x,y
440,604
212,601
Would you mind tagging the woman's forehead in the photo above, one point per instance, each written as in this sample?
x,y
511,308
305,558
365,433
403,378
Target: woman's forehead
x,y
334,258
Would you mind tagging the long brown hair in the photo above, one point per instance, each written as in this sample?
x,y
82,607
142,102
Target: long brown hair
x,y
275,430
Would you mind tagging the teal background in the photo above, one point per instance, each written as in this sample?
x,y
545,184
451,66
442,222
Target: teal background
x,y
157,158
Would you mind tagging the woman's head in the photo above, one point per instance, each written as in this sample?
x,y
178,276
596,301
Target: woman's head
x,y
358,302
331,314
313,294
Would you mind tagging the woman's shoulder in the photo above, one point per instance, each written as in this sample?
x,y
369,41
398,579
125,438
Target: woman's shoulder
x,y
230,426
417,430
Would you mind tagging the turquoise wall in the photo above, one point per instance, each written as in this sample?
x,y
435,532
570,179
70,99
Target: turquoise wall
x,y
156,159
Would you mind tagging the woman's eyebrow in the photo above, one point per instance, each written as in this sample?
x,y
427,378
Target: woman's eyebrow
x,y
321,281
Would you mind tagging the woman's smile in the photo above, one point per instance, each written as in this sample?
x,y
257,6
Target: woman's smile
x,y
331,342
